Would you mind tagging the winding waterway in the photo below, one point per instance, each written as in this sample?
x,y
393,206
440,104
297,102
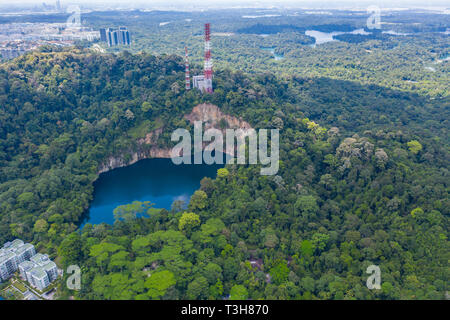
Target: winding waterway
x,y
156,180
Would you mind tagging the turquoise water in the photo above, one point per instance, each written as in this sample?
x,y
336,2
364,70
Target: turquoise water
x,y
276,56
156,180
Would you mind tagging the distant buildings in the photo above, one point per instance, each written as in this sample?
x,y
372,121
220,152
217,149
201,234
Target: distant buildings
x,y
103,37
114,37
58,6
11,53
37,269
18,38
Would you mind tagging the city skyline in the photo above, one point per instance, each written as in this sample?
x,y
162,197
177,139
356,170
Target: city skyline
x,y
178,4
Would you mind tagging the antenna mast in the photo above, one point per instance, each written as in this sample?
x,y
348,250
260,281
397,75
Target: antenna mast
x,y
186,65
208,62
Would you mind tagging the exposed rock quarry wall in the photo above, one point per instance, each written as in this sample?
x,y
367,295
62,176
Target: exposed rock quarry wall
x,y
210,114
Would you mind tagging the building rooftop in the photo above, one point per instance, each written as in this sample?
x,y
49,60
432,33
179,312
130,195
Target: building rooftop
x,y
16,244
48,266
23,248
8,255
38,272
40,259
26,265
6,245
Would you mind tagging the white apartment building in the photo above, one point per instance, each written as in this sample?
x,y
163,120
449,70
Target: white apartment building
x,y
39,278
37,269
25,252
8,265
25,270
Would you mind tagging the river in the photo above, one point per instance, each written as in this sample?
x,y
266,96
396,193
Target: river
x,y
324,37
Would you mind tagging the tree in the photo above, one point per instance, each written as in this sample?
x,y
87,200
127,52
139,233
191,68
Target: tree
x,y
25,198
119,259
418,213
71,249
198,289
307,284
223,173
320,240
387,288
40,226
216,290
131,211
212,227
306,206
213,272
188,221
352,236
146,107
158,283
306,248
177,206
101,252
414,146
238,292
279,272
198,200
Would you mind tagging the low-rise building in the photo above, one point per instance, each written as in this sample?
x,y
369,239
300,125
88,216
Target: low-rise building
x,y
39,278
40,259
43,271
25,252
199,82
52,270
8,265
35,268
10,257
25,270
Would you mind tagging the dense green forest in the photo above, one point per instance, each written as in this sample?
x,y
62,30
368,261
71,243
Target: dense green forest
x,y
363,180
364,156
410,61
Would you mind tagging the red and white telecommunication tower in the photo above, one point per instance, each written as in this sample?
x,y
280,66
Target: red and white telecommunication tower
x,y
208,62
186,65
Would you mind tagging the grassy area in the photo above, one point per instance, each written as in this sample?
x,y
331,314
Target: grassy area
x,y
20,287
141,130
17,295
11,292
144,127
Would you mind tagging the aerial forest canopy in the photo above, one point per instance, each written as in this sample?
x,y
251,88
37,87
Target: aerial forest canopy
x,y
363,180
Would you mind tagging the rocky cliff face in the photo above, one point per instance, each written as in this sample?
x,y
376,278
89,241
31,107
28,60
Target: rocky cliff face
x,y
209,114
117,162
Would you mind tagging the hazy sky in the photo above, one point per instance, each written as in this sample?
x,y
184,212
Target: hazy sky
x,y
233,3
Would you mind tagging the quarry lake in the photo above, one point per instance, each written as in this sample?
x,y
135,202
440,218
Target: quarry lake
x,y
156,180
